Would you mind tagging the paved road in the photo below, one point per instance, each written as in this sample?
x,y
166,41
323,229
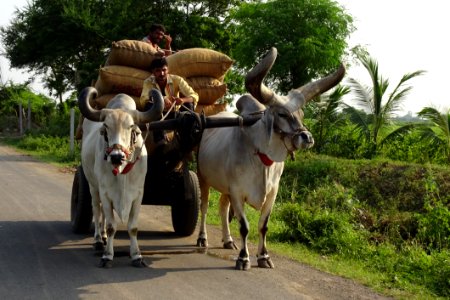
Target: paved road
x,y
40,258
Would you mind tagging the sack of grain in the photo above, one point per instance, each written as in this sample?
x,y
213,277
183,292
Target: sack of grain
x,y
211,109
131,53
121,79
199,62
209,89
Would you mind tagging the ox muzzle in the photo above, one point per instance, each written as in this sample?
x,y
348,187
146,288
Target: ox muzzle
x,y
117,154
301,139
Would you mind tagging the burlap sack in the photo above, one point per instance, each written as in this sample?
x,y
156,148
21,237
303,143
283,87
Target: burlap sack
x,y
131,53
209,89
199,62
120,79
211,109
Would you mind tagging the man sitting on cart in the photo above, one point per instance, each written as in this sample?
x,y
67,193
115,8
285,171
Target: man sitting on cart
x,y
156,35
178,94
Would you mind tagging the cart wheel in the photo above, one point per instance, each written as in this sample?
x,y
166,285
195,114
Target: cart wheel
x,y
81,205
185,211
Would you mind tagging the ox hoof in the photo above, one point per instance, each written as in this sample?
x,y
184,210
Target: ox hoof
x,y
106,263
230,245
266,263
202,242
243,265
139,263
99,246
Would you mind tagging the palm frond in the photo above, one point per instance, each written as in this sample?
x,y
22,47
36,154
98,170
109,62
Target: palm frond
x,y
361,123
437,118
400,132
431,137
363,95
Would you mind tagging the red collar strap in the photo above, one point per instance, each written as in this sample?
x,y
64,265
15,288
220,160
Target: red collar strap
x,y
264,159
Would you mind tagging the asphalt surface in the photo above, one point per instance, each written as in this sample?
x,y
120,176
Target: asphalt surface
x,y
40,257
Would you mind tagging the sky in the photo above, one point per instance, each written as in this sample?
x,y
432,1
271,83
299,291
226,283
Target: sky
x,y
403,36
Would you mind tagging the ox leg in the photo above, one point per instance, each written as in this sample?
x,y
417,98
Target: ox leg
x,y
111,229
135,252
202,240
224,209
243,261
264,260
99,228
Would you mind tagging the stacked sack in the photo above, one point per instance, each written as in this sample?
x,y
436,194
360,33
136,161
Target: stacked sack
x,y
127,66
125,71
204,70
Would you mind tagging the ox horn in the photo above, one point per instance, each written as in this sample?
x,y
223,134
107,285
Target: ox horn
x,y
313,89
155,112
87,95
253,80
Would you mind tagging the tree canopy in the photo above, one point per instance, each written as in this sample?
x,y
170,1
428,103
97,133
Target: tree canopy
x,y
310,36
68,40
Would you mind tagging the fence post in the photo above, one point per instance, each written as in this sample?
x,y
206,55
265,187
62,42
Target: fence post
x,y
20,119
29,115
72,126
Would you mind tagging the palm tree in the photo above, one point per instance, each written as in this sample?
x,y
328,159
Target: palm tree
x,y
327,116
381,112
440,137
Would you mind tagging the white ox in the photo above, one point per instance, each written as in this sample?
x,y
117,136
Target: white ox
x,y
114,160
245,163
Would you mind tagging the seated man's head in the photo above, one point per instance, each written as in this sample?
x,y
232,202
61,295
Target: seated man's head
x,y
156,34
160,69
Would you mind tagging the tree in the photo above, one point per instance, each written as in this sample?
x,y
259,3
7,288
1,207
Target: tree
x,y
327,117
11,95
310,36
68,40
439,138
375,129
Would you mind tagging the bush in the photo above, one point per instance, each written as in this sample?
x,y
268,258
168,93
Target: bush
x,y
434,228
48,148
324,230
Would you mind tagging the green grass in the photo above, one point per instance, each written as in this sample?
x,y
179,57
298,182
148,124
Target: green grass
x,y
358,270
54,150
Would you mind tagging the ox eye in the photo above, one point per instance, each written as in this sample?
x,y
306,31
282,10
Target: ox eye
x,y
283,115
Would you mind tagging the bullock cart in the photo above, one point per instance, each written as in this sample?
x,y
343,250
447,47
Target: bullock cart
x,y
169,180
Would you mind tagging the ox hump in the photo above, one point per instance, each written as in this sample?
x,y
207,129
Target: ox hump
x,y
122,101
247,105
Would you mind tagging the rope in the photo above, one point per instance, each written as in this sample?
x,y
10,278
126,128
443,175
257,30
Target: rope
x,y
167,113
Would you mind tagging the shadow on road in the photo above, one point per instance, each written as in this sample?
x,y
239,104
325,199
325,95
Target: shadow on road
x,y
50,260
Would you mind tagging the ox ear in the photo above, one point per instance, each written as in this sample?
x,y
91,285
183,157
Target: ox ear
x,y
136,129
103,132
135,132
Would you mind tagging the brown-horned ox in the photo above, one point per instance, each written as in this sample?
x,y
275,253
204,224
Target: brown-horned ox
x,y
245,163
114,160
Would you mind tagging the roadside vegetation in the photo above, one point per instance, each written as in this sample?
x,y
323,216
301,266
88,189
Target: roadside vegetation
x,y
369,202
